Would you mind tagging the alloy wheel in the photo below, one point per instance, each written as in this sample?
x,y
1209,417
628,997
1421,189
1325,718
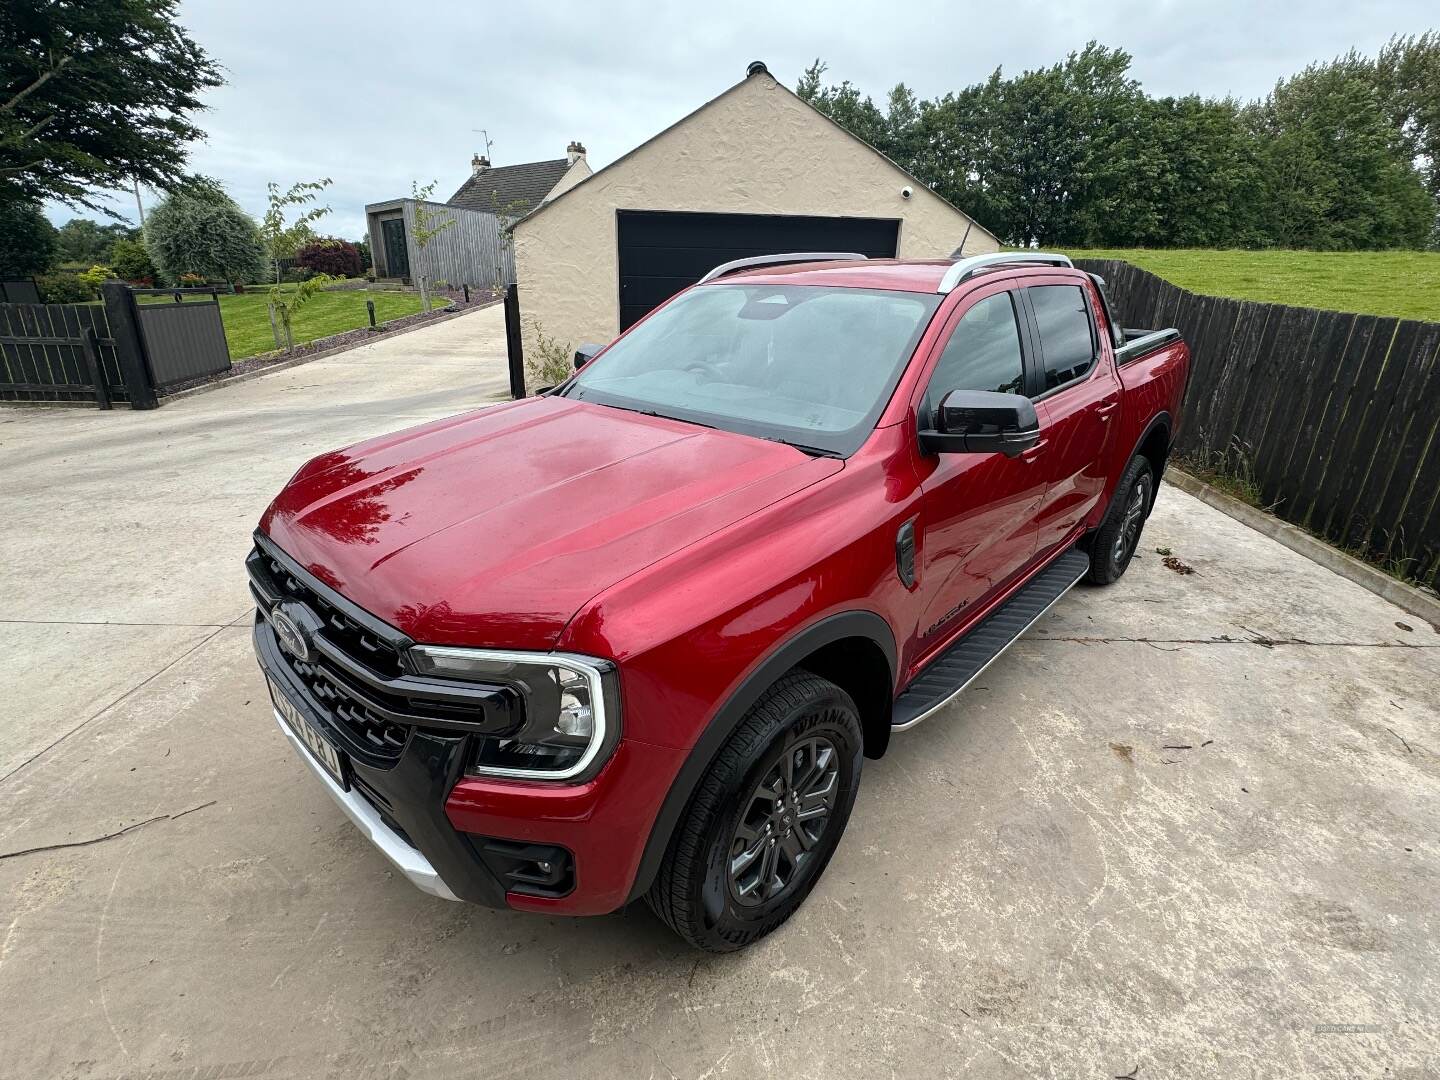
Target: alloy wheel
x,y
1130,524
782,821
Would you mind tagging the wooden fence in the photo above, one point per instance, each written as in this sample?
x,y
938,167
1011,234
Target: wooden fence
x,y
1335,417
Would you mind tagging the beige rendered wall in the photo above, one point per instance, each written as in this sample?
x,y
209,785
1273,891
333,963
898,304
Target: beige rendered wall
x,y
573,175
756,149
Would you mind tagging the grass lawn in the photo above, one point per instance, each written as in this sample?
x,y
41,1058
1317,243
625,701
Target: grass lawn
x,y
247,315
1400,283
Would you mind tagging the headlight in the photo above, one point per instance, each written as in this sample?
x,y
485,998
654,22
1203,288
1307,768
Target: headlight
x,y
571,707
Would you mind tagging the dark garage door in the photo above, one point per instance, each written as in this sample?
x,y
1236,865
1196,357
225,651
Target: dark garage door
x,y
661,252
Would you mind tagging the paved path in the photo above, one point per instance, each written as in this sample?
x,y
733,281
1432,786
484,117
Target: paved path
x,y
124,532
1186,821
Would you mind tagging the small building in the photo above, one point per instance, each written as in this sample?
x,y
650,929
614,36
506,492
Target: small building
x,y
475,248
754,171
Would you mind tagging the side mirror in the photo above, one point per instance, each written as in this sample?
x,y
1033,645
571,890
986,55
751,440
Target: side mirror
x,y
585,353
982,422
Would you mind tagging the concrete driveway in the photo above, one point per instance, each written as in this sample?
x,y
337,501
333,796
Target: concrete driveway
x,y
1185,828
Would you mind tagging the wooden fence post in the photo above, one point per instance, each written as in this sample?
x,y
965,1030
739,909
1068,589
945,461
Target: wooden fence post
x,y
91,348
129,346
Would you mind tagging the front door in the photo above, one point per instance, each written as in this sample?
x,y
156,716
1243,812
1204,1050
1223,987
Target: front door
x,y
977,514
397,256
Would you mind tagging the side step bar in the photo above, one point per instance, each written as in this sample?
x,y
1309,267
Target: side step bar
x,y
955,668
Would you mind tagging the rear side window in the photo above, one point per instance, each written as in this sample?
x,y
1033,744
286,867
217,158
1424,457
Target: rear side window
x,y
983,353
1065,332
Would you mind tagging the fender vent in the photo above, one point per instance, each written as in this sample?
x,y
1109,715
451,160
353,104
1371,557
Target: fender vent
x,y
905,554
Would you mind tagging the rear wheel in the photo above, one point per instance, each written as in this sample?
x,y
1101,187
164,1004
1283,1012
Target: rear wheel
x,y
766,818
1113,545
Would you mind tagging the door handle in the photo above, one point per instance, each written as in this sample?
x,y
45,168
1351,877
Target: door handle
x,y
1104,409
1030,453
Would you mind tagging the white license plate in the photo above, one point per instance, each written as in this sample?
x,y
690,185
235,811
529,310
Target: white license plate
x,y
306,732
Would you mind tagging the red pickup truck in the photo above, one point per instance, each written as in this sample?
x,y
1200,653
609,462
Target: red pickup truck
x,y
633,637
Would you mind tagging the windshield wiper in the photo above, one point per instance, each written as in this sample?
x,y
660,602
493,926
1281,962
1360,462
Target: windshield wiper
x,y
667,416
813,451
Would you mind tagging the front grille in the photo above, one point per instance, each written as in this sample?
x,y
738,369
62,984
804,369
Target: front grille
x,y
347,634
325,683
373,731
357,680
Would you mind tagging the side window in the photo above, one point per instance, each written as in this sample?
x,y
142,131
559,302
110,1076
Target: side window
x,y
1065,331
983,353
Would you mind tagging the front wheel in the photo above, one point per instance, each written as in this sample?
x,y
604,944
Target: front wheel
x,y
765,819
1113,544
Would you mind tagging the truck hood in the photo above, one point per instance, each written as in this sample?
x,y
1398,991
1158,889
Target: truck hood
x,y
493,528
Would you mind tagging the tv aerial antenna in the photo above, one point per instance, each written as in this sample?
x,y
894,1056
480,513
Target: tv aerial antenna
x,y
486,135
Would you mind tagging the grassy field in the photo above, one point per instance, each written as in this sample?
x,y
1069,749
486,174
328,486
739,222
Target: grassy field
x,y
247,316
1400,283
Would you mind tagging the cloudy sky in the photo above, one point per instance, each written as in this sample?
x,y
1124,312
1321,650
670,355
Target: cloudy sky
x,y
376,95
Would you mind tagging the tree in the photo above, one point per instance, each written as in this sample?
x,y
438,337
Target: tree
x,y
1407,75
1342,155
332,256
282,240
1209,186
84,241
131,261
284,304
27,240
845,106
198,229
428,225
1338,172
96,96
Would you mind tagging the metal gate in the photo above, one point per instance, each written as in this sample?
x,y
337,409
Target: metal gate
x,y
183,340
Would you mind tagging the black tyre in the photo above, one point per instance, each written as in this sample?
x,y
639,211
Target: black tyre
x,y
765,819
1112,546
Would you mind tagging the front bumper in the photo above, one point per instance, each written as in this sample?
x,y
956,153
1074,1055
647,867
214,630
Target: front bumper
x,y
407,859
456,836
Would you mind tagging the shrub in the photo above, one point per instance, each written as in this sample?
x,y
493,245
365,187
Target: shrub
x,y
63,288
549,362
95,277
331,256
131,261
199,230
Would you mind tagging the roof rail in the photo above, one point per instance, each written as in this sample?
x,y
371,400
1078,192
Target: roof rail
x,y
778,260
964,268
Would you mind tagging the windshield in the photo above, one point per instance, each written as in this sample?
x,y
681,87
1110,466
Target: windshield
x,y
806,365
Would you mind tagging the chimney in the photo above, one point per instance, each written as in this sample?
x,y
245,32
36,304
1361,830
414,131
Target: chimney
x,y
575,151
478,164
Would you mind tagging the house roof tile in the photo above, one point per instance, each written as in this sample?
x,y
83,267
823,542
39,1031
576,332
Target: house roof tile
x,y
510,191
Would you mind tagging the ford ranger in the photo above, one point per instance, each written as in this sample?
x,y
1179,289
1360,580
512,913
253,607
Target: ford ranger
x,y
635,636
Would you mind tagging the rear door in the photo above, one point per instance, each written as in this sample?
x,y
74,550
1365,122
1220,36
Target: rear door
x,y
1077,398
976,526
